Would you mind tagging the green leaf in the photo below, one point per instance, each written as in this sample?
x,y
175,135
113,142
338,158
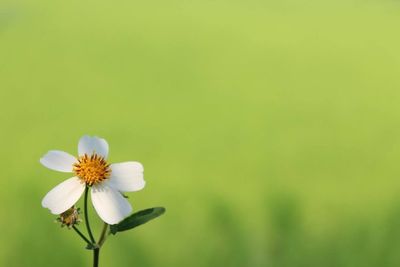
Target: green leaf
x,y
136,219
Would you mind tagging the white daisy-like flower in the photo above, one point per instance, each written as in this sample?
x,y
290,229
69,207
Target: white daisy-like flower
x,y
106,181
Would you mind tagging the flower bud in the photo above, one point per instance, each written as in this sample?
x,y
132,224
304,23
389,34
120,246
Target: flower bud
x,y
70,217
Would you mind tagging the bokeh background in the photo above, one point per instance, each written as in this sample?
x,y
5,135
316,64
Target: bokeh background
x,y
270,130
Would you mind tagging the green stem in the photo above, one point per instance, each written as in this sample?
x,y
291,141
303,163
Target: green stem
x,y
96,251
87,217
81,235
96,254
103,235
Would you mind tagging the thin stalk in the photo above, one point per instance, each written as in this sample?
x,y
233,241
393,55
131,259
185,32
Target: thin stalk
x,y
96,251
81,235
87,217
96,254
103,235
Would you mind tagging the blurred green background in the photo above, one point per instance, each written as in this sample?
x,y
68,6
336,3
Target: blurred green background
x,y
270,130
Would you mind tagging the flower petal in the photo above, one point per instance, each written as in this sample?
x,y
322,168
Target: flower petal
x,y
64,195
90,145
109,204
127,176
58,160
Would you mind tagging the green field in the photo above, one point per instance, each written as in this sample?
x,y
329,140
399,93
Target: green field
x,y
270,130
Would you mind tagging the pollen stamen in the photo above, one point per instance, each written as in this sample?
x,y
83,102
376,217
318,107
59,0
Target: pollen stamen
x,y
92,169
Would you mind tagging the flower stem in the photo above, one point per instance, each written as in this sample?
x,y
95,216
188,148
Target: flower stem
x,y
96,250
81,235
96,253
103,235
87,217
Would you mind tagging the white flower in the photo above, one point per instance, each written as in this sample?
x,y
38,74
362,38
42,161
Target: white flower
x,y
106,181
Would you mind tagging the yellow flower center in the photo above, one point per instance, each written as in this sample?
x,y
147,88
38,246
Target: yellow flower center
x,y
92,169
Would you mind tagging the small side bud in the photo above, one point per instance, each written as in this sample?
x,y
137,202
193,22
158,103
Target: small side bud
x,y
70,217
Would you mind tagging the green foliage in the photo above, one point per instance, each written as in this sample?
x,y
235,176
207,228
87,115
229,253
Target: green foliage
x,y
137,219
